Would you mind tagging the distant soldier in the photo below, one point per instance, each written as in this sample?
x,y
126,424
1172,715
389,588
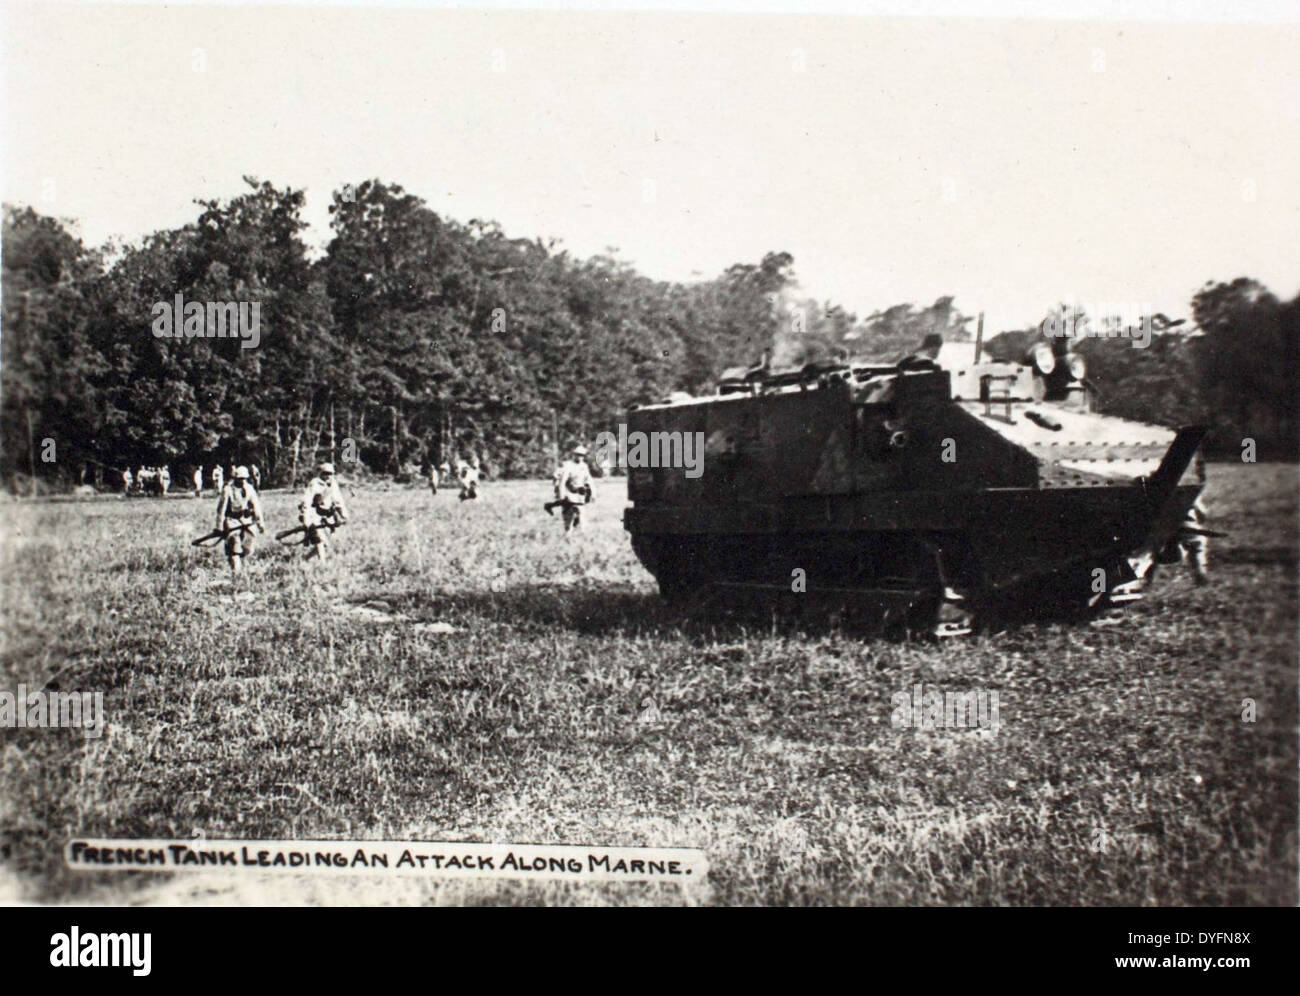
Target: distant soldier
x,y
257,477
126,481
321,507
433,478
164,480
218,476
239,510
573,488
198,482
468,481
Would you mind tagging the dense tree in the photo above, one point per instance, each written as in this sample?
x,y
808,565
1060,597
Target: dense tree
x,y
419,339
51,415
891,334
1249,366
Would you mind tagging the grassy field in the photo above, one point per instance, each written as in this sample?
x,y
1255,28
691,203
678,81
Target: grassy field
x,y
333,705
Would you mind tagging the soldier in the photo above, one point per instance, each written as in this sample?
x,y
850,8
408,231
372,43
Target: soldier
x,y
1190,547
468,481
164,480
573,488
257,477
126,481
218,476
198,482
321,506
238,511
433,478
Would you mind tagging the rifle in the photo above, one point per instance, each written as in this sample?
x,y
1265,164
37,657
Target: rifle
x,y
551,506
1199,531
330,524
214,537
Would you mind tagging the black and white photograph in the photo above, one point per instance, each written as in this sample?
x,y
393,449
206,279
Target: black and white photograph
x,y
680,454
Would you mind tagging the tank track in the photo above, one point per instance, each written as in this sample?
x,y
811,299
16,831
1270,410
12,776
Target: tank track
x,y
927,585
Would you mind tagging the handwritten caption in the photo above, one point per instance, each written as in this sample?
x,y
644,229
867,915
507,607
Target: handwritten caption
x,y
428,858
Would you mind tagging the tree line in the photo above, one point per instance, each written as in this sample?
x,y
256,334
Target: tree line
x,y
417,339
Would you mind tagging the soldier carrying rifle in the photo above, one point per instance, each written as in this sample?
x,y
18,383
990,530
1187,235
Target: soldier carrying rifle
x,y
239,510
572,489
321,510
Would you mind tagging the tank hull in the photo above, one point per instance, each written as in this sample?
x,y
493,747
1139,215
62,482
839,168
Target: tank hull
x,y
896,491
997,539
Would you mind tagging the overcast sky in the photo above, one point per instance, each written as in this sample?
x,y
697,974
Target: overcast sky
x,y
1009,163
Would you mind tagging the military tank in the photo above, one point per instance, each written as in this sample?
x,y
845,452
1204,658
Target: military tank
x,y
938,492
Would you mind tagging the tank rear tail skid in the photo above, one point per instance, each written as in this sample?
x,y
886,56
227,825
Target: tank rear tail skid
x,y
1167,501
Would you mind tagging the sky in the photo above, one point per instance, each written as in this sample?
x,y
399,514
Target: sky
x,y
1011,164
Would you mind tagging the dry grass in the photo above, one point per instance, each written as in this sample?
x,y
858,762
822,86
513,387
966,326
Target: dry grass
x,y
300,714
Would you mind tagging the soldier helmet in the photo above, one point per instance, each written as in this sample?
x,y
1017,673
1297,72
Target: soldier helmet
x,y
327,468
580,450
240,474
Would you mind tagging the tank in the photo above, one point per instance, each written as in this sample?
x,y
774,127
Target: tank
x,y
940,492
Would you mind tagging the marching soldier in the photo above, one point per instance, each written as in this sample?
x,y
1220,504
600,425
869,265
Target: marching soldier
x,y
238,511
573,488
198,482
218,476
321,506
